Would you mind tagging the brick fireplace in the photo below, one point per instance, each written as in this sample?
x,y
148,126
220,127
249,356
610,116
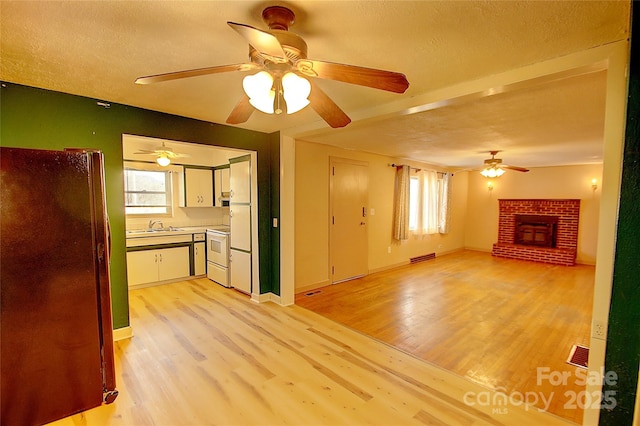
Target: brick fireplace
x,y
538,230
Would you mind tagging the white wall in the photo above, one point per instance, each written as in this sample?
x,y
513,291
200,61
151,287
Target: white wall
x,y
312,215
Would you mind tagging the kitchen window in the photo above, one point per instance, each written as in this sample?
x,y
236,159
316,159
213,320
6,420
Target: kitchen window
x,y
147,192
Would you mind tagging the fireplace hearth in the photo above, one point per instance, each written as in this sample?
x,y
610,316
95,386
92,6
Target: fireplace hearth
x,y
539,230
536,230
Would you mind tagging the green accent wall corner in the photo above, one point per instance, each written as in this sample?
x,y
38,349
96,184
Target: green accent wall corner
x,y
43,119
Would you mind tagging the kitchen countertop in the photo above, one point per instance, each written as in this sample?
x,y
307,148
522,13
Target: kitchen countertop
x,y
179,230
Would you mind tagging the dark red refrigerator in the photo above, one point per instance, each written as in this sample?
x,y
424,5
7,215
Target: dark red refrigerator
x,y
56,338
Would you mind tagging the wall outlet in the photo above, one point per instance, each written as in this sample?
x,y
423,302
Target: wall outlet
x,y
389,249
599,329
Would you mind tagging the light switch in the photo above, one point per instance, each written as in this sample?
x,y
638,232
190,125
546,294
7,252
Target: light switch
x,y
373,211
275,222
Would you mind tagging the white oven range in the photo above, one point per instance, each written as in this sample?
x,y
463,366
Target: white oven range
x,y
218,255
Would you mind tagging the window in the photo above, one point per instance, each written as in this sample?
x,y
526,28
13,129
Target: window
x,y
427,203
147,192
414,202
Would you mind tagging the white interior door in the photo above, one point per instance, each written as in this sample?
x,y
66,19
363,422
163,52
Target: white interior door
x,y
349,192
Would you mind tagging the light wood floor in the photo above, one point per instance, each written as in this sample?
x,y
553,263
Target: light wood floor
x,y
202,354
491,320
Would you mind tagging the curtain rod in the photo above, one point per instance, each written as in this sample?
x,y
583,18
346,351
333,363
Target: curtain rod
x,y
413,168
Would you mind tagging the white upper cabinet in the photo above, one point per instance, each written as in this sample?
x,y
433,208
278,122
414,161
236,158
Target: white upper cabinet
x,y
221,185
196,188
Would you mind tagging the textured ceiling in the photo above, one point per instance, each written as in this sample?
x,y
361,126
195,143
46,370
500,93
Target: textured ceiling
x,y
98,48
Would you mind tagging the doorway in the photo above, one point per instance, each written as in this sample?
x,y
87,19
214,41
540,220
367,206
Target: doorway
x,y
348,235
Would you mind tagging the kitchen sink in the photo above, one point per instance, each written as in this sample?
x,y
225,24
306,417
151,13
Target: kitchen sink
x,y
144,231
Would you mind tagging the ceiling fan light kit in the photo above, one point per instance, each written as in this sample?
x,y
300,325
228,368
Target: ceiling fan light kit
x,y
163,160
259,88
296,91
264,92
492,172
163,154
285,71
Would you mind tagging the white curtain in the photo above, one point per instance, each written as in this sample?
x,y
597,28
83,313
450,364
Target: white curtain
x,y
428,206
401,204
444,222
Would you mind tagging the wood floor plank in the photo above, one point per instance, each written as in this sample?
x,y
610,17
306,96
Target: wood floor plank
x,y
202,354
492,320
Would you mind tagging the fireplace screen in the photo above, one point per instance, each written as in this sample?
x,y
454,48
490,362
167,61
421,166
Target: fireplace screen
x,y
536,230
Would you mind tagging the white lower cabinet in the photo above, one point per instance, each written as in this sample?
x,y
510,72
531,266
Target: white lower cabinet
x,y
240,263
200,258
146,266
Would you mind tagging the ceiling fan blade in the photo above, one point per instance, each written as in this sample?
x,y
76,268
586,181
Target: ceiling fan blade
x,y
326,108
172,154
144,151
241,112
265,43
194,73
378,79
516,168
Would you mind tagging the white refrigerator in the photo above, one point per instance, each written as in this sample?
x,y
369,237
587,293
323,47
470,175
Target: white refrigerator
x,y
240,222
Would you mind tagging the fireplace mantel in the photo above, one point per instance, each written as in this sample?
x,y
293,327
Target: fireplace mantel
x,y
567,212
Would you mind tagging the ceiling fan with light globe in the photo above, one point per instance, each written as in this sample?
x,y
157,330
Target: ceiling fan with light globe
x,y
493,167
284,78
163,154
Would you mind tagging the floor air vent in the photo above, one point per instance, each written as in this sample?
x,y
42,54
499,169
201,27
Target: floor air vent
x,y
579,356
313,293
422,258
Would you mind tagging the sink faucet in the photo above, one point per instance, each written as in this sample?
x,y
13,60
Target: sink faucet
x,y
152,223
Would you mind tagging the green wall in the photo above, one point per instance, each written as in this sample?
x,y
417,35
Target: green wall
x,y
43,119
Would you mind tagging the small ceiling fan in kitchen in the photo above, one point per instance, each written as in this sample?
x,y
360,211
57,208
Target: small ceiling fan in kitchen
x,y
494,167
163,154
283,78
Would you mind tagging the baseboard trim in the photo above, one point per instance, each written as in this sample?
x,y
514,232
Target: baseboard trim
x,y
408,262
388,267
267,297
122,333
484,250
314,286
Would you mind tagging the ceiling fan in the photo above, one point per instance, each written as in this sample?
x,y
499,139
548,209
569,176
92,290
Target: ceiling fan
x,y
493,167
163,154
280,57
